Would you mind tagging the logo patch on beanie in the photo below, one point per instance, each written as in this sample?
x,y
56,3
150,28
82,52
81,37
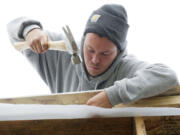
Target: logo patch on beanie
x,y
95,18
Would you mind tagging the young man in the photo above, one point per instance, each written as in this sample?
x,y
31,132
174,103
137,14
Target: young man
x,y
106,64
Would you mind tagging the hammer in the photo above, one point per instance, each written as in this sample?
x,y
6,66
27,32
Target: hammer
x,y
58,45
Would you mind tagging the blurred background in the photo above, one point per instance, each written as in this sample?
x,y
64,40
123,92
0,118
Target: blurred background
x,y
153,35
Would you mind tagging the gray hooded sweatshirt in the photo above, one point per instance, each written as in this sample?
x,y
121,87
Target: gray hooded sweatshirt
x,y
125,81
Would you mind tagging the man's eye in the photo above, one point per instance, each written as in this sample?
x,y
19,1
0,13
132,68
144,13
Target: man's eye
x,y
91,51
105,54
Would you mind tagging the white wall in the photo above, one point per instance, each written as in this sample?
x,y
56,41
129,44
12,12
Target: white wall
x,y
153,35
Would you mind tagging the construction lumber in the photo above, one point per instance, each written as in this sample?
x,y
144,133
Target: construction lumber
x,y
165,101
140,126
62,98
156,125
93,126
171,98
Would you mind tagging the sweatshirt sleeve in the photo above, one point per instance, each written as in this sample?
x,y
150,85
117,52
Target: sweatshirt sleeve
x,y
142,80
19,27
46,63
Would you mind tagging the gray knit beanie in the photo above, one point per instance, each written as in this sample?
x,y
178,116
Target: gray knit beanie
x,y
109,21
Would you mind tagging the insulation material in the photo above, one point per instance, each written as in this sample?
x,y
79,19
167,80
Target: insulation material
x,y
39,111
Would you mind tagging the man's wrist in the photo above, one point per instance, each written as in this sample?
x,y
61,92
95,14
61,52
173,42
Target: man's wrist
x,y
29,25
113,95
28,29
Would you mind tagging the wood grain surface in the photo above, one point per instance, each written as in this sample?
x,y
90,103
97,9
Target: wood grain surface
x,y
93,126
171,98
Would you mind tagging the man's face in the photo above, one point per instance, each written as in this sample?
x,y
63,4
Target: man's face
x,y
99,53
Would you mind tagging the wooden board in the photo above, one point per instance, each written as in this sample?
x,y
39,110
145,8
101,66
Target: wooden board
x,y
166,125
171,92
171,98
165,101
62,98
93,126
140,126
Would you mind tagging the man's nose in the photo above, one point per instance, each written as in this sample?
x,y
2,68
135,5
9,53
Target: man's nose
x,y
95,59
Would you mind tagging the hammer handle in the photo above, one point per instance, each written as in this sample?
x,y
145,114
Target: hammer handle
x,y
53,45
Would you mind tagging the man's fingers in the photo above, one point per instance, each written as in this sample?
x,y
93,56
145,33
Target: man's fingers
x,y
35,46
39,48
39,45
100,100
37,40
89,102
44,44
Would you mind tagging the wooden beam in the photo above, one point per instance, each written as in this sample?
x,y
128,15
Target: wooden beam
x,y
162,100
61,98
171,92
166,101
140,126
92,126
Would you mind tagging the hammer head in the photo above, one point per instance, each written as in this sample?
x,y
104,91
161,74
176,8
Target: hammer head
x,y
76,58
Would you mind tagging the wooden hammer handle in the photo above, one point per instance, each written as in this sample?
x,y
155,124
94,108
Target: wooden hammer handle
x,y
53,45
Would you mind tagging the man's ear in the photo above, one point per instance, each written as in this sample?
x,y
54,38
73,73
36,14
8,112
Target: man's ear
x,y
118,51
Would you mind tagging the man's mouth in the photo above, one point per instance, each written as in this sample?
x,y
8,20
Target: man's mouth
x,y
94,67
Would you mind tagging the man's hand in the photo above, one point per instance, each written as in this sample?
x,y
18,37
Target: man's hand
x,y
37,40
100,100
